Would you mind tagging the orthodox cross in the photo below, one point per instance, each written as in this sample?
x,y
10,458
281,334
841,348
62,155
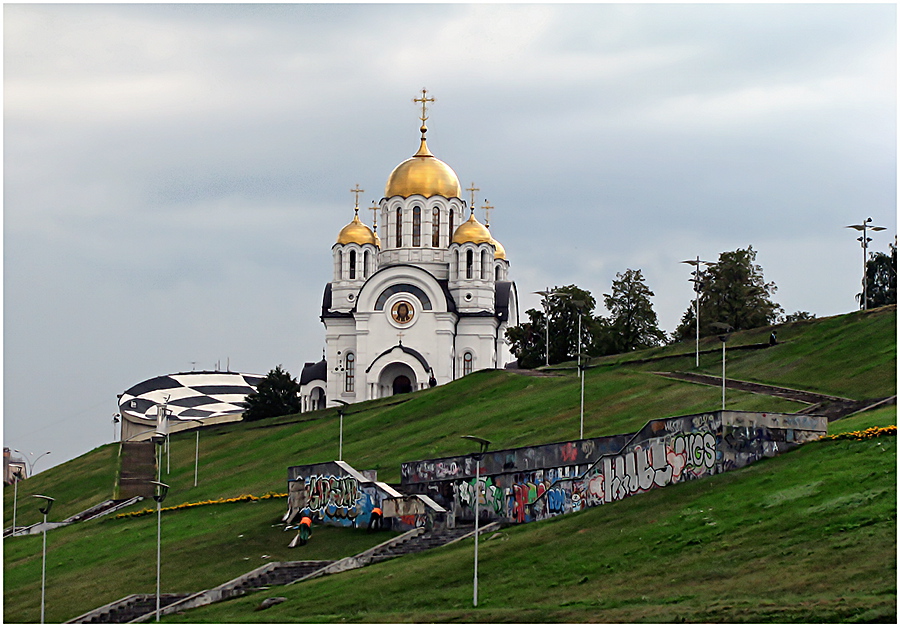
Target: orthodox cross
x,y
472,191
424,101
357,191
400,338
374,210
487,213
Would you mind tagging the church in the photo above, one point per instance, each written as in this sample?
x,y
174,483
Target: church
x,y
424,303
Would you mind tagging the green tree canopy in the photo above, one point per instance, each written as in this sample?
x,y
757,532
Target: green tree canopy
x,y
881,279
733,292
278,394
567,303
632,324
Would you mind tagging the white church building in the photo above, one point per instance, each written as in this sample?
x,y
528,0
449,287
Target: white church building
x,y
425,303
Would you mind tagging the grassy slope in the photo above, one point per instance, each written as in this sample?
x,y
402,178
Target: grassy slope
x,y
511,410
756,545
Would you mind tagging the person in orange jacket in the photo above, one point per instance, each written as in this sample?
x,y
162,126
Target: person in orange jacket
x,y
375,519
305,531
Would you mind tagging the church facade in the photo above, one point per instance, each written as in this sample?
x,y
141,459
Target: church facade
x,y
424,303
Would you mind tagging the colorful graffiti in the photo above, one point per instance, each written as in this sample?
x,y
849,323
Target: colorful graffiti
x,y
338,500
490,496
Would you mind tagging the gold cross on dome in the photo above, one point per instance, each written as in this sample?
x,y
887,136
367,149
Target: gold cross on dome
x,y
356,190
472,191
487,213
424,100
374,209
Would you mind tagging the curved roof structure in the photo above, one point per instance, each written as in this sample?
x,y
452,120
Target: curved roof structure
x,y
189,395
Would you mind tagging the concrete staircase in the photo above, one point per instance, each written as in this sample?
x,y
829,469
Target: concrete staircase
x,y
128,609
137,468
423,542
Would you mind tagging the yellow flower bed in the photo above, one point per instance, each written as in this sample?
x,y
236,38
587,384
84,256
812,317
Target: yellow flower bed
x,y
243,498
866,434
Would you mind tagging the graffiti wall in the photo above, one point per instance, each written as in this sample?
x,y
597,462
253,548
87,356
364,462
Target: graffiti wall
x,y
663,452
334,493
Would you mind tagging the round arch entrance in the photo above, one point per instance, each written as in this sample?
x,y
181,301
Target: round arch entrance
x,y
397,378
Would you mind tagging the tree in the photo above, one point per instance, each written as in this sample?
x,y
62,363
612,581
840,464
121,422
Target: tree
x,y
881,279
568,302
734,292
632,324
798,316
276,395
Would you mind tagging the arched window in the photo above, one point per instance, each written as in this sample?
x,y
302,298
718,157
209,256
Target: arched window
x,y
417,226
435,227
340,265
467,363
497,273
450,230
470,260
485,265
399,227
365,264
349,372
352,264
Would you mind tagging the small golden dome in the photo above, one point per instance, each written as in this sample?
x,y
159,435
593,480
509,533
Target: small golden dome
x,y
424,174
499,251
357,233
472,231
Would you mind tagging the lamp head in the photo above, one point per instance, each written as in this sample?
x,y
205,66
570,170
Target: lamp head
x,y
160,491
48,503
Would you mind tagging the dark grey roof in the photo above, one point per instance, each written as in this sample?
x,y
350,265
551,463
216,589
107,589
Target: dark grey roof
x,y
501,299
405,349
326,305
313,372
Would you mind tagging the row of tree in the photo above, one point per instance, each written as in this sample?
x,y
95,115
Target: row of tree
x,y
732,292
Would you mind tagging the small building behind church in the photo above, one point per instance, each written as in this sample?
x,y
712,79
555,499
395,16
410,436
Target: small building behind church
x,y
424,303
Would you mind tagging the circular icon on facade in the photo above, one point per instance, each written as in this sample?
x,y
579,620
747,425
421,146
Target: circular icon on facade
x,y
402,312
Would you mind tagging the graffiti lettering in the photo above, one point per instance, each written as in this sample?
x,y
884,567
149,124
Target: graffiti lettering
x,y
333,497
569,452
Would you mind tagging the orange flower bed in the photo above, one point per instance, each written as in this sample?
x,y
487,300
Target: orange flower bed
x,y
866,434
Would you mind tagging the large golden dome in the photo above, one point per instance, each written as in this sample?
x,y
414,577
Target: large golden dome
x,y
472,231
357,233
424,174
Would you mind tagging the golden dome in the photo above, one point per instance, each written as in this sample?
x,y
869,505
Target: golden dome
x,y
424,174
499,251
357,233
472,231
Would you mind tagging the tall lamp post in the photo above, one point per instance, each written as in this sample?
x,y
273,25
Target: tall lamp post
x,y
477,456
159,494
697,285
30,472
579,304
340,428
725,328
115,421
546,302
864,241
45,509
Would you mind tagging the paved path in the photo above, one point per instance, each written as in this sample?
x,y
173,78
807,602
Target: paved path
x,y
833,407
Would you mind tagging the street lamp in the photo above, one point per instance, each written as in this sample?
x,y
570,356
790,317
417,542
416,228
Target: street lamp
x,y
546,302
196,447
30,472
115,421
864,241
47,504
579,304
478,456
697,285
340,428
159,495
725,329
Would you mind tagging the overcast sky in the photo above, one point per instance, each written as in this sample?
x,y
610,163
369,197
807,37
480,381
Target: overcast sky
x,y
175,175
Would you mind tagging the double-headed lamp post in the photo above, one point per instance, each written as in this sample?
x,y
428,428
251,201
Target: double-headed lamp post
x,y
546,302
159,494
864,242
30,469
478,457
44,509
697,285
579,304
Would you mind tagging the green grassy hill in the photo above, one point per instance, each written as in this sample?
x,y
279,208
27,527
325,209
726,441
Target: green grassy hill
x,y
743,563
